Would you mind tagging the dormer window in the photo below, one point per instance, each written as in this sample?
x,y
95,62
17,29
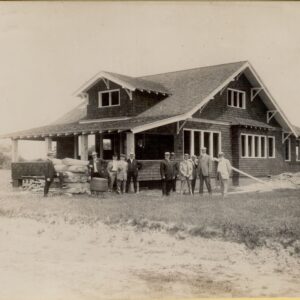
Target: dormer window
x,y
236,98
109,98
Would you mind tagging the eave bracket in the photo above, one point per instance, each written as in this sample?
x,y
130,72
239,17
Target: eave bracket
x,y
255,92
129,93
285,136
270,115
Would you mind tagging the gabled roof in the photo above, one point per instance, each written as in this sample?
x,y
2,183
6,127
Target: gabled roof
x,y
189,88
131,83
192,89
188,91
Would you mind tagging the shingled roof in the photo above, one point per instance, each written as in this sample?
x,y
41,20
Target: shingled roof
x,y
189,87
187,91
78,127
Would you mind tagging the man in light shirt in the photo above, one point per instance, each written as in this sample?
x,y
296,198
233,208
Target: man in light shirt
x,y
121,174
112,168
224,170
186,173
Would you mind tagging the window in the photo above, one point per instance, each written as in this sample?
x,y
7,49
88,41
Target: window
x,y
195,139
109,98
271,146
236,98
298,150
107,144
253,146
287,149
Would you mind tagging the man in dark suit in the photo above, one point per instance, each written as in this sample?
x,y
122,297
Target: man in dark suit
x,y
194,174
205,170
50,173
97,166
132,172
166,173
175,170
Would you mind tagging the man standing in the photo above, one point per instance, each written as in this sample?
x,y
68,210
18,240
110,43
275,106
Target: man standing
x,y
175,170
133,170
166,173
121,174
194,173
112,168
186,171
97,166
50,173
205,170
224,171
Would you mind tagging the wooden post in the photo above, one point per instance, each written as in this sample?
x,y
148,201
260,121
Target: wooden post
x,y
84,147
14,151
130,143
75,146
101,145
48,145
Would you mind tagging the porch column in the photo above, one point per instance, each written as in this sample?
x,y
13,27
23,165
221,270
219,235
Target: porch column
x,y
130,143
48,144
75,146
101,145
14,150
84,147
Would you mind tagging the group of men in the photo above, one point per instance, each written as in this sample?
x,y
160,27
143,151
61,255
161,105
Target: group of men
x,y
119,172
189,169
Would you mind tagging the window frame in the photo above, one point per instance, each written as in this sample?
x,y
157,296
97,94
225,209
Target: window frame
x,y
231,92
273,146
297,156
290,150
100,93
259,137
201,140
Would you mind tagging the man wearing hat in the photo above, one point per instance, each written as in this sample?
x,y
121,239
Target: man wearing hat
x,y
50,173
166,173
121,174
224,170
97,166
204,171
186,172
132,172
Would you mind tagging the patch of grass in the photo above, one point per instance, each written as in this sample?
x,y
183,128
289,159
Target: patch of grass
x,y
252,219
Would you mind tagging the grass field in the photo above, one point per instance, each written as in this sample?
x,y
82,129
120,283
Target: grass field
x,y
254,219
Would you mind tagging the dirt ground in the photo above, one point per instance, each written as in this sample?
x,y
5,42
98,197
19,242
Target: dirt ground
x,y
50,259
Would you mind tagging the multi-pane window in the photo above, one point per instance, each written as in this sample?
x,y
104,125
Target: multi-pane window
x,y
195,139
298,150
109,98
236,98
256,146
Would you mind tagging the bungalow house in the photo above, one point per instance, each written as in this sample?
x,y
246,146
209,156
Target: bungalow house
x,y
224,108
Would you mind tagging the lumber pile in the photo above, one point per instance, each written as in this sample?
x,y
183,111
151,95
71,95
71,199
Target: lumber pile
x,y
75,174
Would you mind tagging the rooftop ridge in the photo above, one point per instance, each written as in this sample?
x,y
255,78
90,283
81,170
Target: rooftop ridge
x,y
190,69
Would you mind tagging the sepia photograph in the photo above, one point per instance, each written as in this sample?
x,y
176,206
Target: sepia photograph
x,y
149,150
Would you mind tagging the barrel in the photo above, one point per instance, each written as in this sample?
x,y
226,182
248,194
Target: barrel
x,y
99,184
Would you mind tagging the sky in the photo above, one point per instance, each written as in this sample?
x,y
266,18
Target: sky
x,y
49,49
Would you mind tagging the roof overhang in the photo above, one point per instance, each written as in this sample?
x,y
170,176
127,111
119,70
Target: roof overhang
x,y
81,92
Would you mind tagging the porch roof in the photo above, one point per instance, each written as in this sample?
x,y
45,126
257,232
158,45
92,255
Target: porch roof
x,y
250,123
74,128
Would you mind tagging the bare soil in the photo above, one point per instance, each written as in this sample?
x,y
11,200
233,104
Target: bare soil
x,y
50,249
